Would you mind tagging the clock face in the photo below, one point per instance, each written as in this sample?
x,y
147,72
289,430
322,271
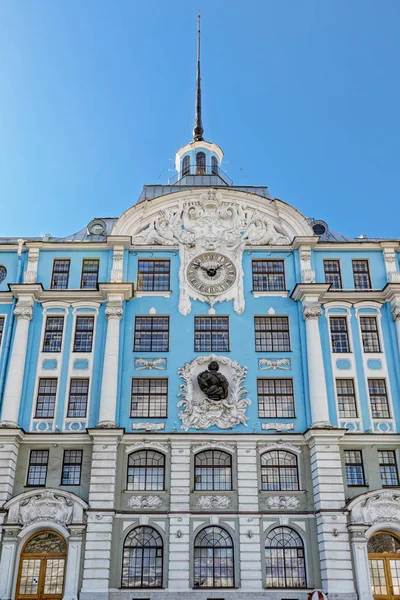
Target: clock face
x,y
211,273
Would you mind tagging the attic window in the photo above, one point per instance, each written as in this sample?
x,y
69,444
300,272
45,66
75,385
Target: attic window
x,y
96,227
319,228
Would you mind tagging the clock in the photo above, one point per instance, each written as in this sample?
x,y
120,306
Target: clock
x,y
211,273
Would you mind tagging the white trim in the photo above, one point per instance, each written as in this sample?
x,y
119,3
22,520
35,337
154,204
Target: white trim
x,y
283,294
143,294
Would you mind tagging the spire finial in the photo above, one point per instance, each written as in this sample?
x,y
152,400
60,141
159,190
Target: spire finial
x,y
198,126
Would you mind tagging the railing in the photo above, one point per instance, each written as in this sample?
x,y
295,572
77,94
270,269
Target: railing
x,y
201,171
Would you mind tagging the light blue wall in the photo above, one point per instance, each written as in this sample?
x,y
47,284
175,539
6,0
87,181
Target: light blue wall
x,y
46,258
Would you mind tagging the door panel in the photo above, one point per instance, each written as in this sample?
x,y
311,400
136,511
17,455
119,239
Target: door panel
x,y
30,577
394,569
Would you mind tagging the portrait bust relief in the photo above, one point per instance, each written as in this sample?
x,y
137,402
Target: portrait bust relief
x,y
213,384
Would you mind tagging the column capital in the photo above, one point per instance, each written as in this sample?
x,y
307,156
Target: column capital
x,y
312,311
23,312
395,311
114,312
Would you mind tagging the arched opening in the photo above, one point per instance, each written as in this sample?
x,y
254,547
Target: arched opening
x,y
384,565
279,471
213,471
42,567
214,165
146,471
142,559
213,559
285,565
200,163
186,165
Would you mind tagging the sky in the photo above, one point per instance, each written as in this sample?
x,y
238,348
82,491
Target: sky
x,y
96,96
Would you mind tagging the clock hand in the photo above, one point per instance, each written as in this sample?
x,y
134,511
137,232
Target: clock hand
x,y
219,267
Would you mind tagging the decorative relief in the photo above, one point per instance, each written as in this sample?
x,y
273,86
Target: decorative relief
x,y
264,364
312,311
379,507
395,311
277,426
147,444
114,312
46,506
307,273
159,364
23,312
30,274
279,445
145,502
213,444
282,502
199,411
118,264
214,502
148,426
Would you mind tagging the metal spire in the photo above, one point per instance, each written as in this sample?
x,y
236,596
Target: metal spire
x,y
198,125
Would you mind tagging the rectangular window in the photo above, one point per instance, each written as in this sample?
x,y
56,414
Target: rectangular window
x,y
90,274
354,467
46,399
78,397
72,467
378,399
339,334
346,398
211,334
388,468
59,278
275,398
369,334
53,334
362,279
2,320
37,469
83,334
272,334
332,274
151,334
149,397
268,276
153,275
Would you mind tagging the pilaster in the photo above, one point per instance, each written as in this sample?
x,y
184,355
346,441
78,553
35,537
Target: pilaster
x,y
9,544
359,549
10,440
179,530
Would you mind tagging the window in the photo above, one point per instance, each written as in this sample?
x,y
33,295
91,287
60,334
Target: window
x,y
59,278
339,334
362,280
346,398
388,468
83,334
378,399
153,275
200,163
332,274
142,559
90,274
151,334
214,165
369,334
53,334
275,398
211,334
146,471
213,471
268,276
284,559
72,467
354,467
213,559
2,320
78,397
46,398
186,165
149,397
37,469
279,471
272,334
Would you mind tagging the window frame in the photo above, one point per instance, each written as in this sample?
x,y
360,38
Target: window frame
x,y
145,468
161,547
264,563
339,273
213,318
73,379
278,468
354,464
30,464
376,331
275,379
3,319
46,395
52,286
331,333
368,272
395,464
214,560
213,468
272,317
153,273
96,260
149,395
201,168
386,396
152,317
64,463
53,316
77,318
340,395
268,260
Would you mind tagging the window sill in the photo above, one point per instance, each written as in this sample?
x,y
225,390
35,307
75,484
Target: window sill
x,y
281,294
144,294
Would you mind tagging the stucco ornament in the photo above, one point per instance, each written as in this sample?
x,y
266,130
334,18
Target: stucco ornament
x,y
159,364
282,502
144,502
378,507
264,364
46,506
210,224
199,411
214,502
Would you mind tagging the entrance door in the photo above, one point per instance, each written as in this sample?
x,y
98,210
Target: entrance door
x,y
384,566
42,568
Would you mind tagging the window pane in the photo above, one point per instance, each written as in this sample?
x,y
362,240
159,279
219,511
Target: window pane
x,y
142,559
78,397
149,397
71,473
151,334
332,274
37,470
90,274
369,334
268,276
211,334
153,275
339,336
378,398
146,470
213,559
284,559
275,398
354,467
213,470
388,468
53,334
272,334
346,398
59,279
46,399
83,334
361,275
279,471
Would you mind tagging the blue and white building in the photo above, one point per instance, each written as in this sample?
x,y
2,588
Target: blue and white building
x,y
121,479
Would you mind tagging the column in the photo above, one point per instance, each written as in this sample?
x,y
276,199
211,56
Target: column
x,y
73,562
359,548
100,516
329,499
109,383
315,363
12,394
9,545
396,317
179,523
249,526
9,445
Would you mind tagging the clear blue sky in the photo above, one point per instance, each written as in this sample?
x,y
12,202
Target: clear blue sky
x,y
96,96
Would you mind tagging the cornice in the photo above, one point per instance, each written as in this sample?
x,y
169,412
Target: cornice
x,y
6,297
354,296
309,291
125,290
119,240
299,241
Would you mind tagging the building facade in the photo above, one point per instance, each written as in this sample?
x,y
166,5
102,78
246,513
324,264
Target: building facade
x,y
200,396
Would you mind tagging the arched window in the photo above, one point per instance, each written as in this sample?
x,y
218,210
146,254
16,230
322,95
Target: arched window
x,y
279,471
214,165
284,559
200,163
146,470
213,471
213,559
142,559
186,165
383,542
